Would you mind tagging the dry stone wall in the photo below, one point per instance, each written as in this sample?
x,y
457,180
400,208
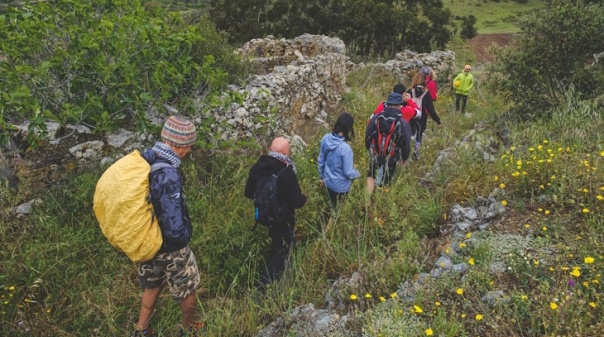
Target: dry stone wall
x,y
298,85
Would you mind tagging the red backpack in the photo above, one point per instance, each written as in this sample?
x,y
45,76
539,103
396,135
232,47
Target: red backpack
x,y
384,135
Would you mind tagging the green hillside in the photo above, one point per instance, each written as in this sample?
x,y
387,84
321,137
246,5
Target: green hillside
x,y
531,144
492,16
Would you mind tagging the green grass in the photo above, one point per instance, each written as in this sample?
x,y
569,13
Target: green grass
x,y
492,16
59,276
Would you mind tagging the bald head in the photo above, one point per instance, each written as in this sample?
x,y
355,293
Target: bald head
x,y
280,145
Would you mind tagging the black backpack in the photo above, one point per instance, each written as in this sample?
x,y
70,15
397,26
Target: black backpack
x,y
384,137
269,212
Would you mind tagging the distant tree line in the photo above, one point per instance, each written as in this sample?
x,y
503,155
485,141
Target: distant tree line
x,y
368,27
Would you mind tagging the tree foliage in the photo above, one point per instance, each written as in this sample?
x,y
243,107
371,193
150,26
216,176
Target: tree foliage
x,y
468,30
368,27
101,62
553,54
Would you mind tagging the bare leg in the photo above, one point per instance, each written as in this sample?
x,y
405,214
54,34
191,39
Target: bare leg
x,y
188,306
148,302
370,185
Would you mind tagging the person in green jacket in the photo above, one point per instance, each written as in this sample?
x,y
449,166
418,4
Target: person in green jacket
x,y
462,84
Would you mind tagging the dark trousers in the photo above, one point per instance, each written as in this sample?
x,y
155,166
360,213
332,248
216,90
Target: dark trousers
x,y
281,243
464,101
335,198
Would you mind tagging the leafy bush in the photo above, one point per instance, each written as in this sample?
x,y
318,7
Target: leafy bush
x,y
468,30
103,63
551,55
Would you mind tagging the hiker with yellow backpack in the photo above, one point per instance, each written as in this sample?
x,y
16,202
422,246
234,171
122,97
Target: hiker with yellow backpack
x,y
140,206
462,84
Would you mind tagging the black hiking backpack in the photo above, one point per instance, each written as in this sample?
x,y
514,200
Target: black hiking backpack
x,y
269,212
384,137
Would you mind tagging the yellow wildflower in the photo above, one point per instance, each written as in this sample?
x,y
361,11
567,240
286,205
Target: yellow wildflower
x,y
429,332
459,291
585,210
479,317
599,197
504,203
524,297
553,305
471,261
368,295
576,272
382,299
546,212
437,303
592,304
589,260
502,185
417,309
353,297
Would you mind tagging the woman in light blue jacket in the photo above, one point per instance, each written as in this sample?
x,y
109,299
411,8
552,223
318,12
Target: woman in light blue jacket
x,y
335,161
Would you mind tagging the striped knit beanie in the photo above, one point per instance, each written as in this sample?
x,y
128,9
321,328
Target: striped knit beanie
x,y
178,132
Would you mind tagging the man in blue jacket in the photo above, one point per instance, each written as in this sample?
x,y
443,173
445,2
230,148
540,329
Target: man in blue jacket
x,y
174,264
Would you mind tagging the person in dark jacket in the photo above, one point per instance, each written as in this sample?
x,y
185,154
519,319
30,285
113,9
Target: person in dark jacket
x,y
418,87
381,170
174,264
289,195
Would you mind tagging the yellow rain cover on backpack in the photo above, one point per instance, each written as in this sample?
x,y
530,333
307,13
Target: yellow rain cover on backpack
x,y
121,207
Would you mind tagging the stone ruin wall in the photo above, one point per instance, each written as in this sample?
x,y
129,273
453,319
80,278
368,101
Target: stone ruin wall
x,y
299,83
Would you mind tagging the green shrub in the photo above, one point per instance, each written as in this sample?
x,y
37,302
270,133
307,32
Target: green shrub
x,y
104,63
551,55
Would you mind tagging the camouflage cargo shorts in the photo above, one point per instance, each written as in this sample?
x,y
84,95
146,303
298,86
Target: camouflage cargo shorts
x,y
177,269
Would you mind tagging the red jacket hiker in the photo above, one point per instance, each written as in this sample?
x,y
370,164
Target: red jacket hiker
x,y
408,111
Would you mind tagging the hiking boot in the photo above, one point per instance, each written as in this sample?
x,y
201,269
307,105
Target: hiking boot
x,y
148,332
195,330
